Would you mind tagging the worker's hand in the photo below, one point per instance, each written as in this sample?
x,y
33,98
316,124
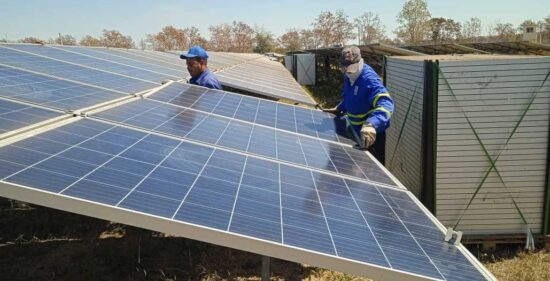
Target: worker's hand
x,y
368,136
333,110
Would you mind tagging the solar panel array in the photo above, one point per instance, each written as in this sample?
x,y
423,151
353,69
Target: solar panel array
x,y
211,119
14,116
265,77
209,165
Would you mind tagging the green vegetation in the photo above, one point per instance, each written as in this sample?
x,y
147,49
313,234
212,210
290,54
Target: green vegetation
x,y
327,91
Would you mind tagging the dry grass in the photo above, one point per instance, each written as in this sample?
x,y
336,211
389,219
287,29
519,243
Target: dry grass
x,y
320,274
524,266
327,90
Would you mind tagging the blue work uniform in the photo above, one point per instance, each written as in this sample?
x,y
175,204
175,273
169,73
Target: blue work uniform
x,y
206,79
367,100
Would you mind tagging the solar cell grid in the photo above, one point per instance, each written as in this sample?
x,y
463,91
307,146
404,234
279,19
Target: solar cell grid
x,y
172,62
222,190
93,62
14,115
49,91
245,137
73,72
103,53
210,165
264,77
281,116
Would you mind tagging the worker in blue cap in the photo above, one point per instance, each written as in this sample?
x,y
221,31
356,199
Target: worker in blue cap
x,y
366,102
197,66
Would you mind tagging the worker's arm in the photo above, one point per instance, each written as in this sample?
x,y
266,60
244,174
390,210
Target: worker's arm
x,y
378,119
337,110
380,114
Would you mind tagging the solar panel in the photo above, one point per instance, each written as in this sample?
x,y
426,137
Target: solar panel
x,y
221,60
93,62
265,77
103,53
73,72
51,92
233,199
258,111
246,137
233,170
14,115
172,62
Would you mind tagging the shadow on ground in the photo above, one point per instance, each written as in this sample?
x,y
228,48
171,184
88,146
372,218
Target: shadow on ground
x,y
38,243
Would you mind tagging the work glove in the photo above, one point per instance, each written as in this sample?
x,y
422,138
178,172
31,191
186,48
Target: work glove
x,y
368,136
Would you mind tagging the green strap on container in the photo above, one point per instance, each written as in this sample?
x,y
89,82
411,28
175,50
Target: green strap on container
x,y
403,126
493,161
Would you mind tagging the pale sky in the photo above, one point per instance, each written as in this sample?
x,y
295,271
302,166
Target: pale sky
x,y
45,19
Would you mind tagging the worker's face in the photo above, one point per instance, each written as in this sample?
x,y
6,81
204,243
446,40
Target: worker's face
x,y
195,67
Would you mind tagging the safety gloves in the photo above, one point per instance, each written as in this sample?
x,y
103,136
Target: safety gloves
x,y
368,135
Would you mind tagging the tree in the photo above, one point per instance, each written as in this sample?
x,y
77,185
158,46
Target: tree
x,y
90,41
151,43
242,37
310,39
201,41
444,30
413,19
263,41
544,29
65,40
195,37
471,30
170,38
32,40
115,39
235,37
220,37
370,28
503,31
142,44
291,40
526,23
332,28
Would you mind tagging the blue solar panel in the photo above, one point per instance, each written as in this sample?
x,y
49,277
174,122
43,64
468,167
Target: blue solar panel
x,y
169,60
246,137
265,77
234,167
50,92
14,116
94,62
272,114
236,194
74,72
108,54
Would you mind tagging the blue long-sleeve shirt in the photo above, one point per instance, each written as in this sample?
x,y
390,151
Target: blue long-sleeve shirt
x,y
207,79
367,100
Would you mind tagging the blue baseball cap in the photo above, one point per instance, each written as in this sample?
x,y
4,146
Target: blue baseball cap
x,y
195,52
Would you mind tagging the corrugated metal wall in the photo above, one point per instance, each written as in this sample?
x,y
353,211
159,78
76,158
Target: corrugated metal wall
x,y
493,94
405,82
305,69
